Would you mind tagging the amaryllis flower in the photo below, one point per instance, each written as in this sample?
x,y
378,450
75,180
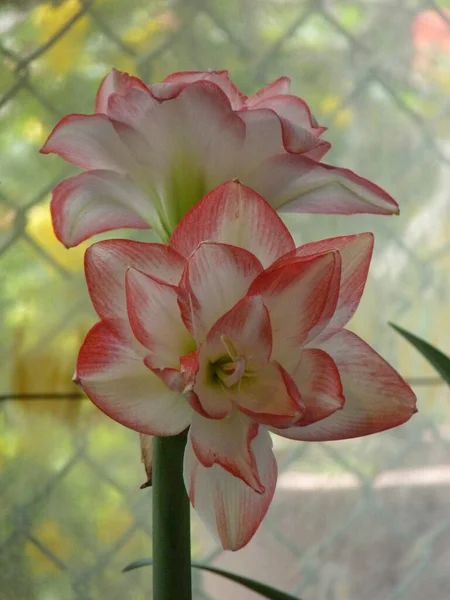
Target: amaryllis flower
x,y
149,153
234,333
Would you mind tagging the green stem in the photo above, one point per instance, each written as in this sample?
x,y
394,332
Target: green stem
x,y
171,521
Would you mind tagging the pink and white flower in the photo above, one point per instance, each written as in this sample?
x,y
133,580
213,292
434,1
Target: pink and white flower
x,y
149,153
234,333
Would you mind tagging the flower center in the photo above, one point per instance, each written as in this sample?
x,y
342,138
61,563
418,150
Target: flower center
x,y
230,369
231,372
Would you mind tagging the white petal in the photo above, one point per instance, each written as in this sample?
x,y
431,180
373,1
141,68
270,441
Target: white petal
x,y
297,293
112,373
90,142
106,263
229,507
227,442
216,277
155,319
376,397
97,201
234,214
299,184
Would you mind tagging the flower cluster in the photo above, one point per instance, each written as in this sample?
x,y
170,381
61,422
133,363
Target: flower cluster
x,y
228,329
150,153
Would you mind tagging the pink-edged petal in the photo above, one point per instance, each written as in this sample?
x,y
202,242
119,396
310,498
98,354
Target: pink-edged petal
x,y
292,109
376,397
299,295
90,142
206,137
133,108
270,397
215,278
299,184
139,148
234,214
181,380
263,137
106,263
299,140
227,442
248,327
243,338
319,383
219,78
282,85
186,146
95,202
155,318
185,128
269,134
234,368
319,151
356,253
111,371
230,508
116,82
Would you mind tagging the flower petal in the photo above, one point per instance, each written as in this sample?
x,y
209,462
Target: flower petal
x,y
271,397
188,145
267,134
247,327
356,253
282,85
229,507
292,109
376,397
318,381
181,380
263,137
219,78
111,371
297,294
227,442
155,318
234,214
106,263
95,202
116,82
133,108
215,278
318,152
299,184
90,142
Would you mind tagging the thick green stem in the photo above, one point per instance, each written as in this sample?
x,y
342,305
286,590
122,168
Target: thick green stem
x,y
171,521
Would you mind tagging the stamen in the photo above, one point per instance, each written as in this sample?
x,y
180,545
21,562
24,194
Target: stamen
x,y
229,347
236,375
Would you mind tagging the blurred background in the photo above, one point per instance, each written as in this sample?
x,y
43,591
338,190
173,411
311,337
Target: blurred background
x,y
367,519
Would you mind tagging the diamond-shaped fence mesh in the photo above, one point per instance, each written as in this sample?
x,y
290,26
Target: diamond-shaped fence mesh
x,y
366,519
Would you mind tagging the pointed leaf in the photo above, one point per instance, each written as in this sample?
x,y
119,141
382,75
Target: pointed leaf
x,y
266,591
435,357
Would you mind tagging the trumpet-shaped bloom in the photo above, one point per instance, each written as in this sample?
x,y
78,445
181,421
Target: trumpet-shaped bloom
x,y
149,153
233,332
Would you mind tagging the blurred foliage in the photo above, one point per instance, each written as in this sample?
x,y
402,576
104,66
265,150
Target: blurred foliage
x,y
376,73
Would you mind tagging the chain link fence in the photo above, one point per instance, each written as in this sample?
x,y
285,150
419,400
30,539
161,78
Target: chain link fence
x,y
356,520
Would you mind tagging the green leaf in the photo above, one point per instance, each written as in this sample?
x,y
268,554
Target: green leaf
x,y
260,588
435,357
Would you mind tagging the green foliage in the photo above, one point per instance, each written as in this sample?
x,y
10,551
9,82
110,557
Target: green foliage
x,y
439,360
266,591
